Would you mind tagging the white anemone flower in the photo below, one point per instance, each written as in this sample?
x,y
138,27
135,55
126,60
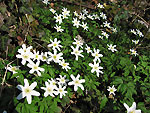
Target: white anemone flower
x,y
97,55
132,109
103,15
61,80
44,56
133,52
133,31
100,6
24,48
36,55
55,57
61,91
111,90
82,16
111,47
77,52
58,18
27,91
52,10
85,11
13,69
78,43
88,49
76,82
65,13
35,67
49,89
96,68
76,22
96,16
25,56
84,25
45,2
135,41
58,28
75,13
64,65
55,44
106,24
53,82
139,33
90,17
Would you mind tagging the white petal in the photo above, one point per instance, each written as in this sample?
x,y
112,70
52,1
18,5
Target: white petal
x,y
20,96
133,107
41,69
45,94
73,78
78,76
35,93
31,71
29,99
33,85
20,87
81,86
82,81
75,88
39,74
26,83
137,111
126,106
23,62
70,83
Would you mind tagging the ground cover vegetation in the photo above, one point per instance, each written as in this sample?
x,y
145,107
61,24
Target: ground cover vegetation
x,y
71,56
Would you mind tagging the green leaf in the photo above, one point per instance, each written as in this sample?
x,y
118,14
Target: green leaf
x,y
103,103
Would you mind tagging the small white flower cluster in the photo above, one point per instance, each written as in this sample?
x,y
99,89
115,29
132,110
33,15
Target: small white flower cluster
x,y
27,56
111,47
53,87
76,50
137,32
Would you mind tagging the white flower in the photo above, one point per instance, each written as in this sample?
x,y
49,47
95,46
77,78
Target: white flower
x,y
45,2
75,13
96,16
82,16
114,29
97,55
78,43
139,33
103,15
55,44
13,68
61,90
44,56
27,91
25,56
96,67
61,80
49,90
64,65
111,90
76,82
24,49
65,13
101,37
53,82
111,47
105,34
58,28
84,25
133,31
100,5
58,18
76,22
85,11
55,57
52,10
135,41
90,17
132,109
35,67
133,52
88,49
36,56
77,52
106,24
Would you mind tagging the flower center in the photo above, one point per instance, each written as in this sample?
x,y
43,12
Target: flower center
x,y
132,111
35,67
13,69
77,82
111,90
62,80
60,90
55,57
36,56
49,89
76,52
44,57
95,67
64,64
54,83
27,90
25,56
55,43
96,54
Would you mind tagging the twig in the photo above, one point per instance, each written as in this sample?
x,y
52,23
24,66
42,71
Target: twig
x,y
6,72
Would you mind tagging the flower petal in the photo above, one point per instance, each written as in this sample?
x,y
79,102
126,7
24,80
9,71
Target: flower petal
x,y
35,93
29,99
20,96
20,87
126,106
33,85
26,83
